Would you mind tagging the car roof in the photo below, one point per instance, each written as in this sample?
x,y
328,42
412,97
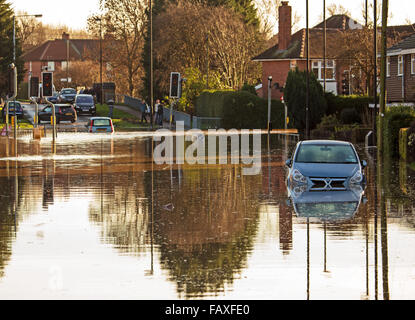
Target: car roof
x,y
326,142
100,118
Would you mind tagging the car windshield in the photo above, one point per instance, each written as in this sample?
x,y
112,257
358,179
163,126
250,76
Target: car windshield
x,y
101,123
313,153
11,105
84,100
68,91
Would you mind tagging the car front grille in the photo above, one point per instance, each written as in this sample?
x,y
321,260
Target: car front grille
x,y
322,184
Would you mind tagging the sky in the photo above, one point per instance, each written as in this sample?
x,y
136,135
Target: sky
x,y
75,12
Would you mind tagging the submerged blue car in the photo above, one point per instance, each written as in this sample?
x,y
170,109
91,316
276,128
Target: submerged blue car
x,y
325,165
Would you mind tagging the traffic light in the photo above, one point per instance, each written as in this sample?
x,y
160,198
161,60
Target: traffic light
x,y
47,81
175,85
34,87
345,83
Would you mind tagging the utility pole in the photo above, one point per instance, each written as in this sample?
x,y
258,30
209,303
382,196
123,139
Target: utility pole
x,y
375,72
324,45
383,73
151,64
307,103
269,103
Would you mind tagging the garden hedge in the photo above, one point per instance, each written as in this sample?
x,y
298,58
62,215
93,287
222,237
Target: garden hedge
x,y
239,109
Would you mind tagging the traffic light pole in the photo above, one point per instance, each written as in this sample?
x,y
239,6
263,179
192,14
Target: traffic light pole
x,y
53,120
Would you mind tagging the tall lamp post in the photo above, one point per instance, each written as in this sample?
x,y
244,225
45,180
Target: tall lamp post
x,y
307,99
100,58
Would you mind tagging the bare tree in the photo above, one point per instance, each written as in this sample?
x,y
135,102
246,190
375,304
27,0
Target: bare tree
x,y
199,36
334,9
125,22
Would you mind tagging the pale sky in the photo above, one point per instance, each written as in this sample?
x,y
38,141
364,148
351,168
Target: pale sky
x,y
75,12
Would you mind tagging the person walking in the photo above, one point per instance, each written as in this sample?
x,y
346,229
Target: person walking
x,y
156,111
144,110
160,114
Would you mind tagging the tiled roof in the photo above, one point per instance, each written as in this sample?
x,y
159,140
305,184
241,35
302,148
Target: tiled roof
x,y
56,50
297,47
407,43
336,25
340,22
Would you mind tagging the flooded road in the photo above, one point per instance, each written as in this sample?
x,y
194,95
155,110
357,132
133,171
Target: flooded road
x,y
95,218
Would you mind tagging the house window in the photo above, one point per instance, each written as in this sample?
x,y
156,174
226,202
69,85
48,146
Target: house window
x,y
318,69
388,66
413,63
51,66
64,65
293,64
400,65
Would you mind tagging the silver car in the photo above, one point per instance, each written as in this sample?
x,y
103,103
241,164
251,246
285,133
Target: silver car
x,y
325,165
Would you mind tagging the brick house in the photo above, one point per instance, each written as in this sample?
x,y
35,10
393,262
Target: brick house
x,y
290,51
55,54
400,71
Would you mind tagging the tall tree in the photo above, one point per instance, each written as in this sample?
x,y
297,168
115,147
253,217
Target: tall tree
x,y
6,47
125,22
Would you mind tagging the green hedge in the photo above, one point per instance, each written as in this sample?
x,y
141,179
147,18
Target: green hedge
x,y
395,119
336,104
239,109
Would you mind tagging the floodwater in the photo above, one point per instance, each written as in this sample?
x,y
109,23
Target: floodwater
x,y
95,218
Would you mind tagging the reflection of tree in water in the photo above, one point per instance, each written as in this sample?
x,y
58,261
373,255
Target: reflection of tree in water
x,y
122,211
8,219
204,240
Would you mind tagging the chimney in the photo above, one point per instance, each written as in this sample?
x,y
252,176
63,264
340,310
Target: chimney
x,y
284,32
65,36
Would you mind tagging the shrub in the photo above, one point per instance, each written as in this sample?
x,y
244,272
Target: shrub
x,y
395,119
295,97
350,116
239,109
250,88
336,104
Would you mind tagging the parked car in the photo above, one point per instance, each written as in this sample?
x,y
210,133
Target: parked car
x,y
84,103
325,165
55,98
100,124
63,112
11,106
67,95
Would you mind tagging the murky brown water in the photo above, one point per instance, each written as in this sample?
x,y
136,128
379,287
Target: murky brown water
x,y
97,219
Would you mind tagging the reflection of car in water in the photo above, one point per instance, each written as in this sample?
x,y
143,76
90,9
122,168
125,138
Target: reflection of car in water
x,y
326,165
326,205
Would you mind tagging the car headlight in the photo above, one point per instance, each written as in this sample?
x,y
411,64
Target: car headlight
x,y
298,176
357,177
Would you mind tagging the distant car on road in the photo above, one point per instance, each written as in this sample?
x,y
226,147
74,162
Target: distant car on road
x,y
55,98
67,95
11,106
84,103
100,124
325,165
63,112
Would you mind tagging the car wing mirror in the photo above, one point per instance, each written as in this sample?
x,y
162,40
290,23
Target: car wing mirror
x,y
288,162
364,164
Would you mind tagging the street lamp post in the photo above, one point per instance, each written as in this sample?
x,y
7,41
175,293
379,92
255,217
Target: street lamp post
x,y
307,99
100,58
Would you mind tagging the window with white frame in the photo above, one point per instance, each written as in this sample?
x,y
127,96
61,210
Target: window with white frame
x,y
388,66
65,65
400,65
318,69
413,63
51,66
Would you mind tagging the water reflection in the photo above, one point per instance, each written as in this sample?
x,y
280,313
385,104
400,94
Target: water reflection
x,y
120,226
